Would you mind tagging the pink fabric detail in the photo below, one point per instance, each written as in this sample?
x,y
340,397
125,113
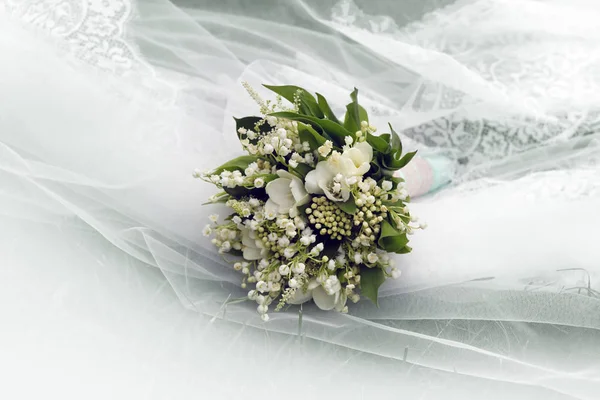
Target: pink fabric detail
x,y
418,175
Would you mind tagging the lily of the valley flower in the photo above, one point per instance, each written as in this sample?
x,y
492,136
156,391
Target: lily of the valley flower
x,y
325,178
286,194
356,161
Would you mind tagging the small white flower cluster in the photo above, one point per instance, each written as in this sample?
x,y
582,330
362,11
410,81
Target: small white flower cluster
x,y
250,177
227,236
280,141
308,233
271,278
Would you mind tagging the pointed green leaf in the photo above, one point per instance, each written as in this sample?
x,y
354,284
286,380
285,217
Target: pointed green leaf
x,y
390,239
307,119
355,114
349,206
326,109
301,170
405,250
375,171
370,281
396,142
378,143
249,123
406,159
308,104
308,134
288,92
239,163
393,162
336,132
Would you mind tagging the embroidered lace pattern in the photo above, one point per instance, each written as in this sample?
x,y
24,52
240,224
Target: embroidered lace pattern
x,y
525,62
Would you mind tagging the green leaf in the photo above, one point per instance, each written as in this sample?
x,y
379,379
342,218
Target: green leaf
x,y
221,197
302,209
341,276
267,177
378,143
405,250
401,163
247,122
250,123
326,109
375,171
348,206
370,281
302,170
306,119
393,162
355,114
330,129
308,134
406,159
308,104
386,137
240,163
391,239
396,142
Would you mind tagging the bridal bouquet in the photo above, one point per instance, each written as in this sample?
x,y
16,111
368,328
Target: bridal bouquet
x,y
316,204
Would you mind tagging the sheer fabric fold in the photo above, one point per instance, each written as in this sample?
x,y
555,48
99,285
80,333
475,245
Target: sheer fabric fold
x,y
503,285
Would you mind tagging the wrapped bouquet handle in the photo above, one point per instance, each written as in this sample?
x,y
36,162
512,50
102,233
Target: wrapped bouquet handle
x,y
426,174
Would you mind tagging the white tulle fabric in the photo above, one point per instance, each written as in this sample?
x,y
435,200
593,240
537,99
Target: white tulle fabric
x,y
106,107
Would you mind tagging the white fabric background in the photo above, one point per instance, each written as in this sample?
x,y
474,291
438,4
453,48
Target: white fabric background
x,y
108,288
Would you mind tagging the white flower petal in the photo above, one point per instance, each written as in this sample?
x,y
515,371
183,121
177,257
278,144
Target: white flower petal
x,y
367,151
300,194
312,184
341,301
284,174
322,299
271,207
278,190
252,253
313,284
300,296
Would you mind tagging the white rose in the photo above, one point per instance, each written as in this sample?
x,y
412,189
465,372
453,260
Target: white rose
x,y
286,194
252,248
356,161
320,181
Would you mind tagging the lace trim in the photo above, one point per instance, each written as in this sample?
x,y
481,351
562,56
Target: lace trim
x,y
512,61
94,31
95,28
